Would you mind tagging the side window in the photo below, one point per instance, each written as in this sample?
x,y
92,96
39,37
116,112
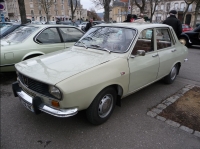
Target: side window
x,y
70,34
144,42
49,35
163,39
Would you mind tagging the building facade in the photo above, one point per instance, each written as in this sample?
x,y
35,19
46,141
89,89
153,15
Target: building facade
x,y
120,9
34,11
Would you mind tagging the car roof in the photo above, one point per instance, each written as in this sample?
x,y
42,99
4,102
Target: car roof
x,y
139,26
49,25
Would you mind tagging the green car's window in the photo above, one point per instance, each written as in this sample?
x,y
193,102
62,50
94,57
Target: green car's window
x,y
49,35
70,34
163,39
144,42
20,34
114,39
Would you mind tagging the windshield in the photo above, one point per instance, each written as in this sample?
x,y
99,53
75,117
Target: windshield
x,y
20,34
5,28
114,39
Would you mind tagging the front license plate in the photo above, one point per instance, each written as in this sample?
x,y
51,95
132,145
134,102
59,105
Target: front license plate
x,y
28,106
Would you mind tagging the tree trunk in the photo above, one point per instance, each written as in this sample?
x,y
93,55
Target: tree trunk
x,y
47,15
22,11
106,11
196,13
184,13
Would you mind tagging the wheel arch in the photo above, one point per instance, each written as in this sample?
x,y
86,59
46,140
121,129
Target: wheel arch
x,y
118,88
32,54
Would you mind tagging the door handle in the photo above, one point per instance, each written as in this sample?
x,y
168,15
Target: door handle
x,y
173,50
155,55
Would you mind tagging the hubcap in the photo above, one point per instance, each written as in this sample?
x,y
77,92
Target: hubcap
x,y
183,41
105,105
173,73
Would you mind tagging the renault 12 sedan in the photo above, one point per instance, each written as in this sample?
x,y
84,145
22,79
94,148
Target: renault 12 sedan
x,y
34,40
107,64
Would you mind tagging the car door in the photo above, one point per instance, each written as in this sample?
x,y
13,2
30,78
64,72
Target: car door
x,y
70,35
167,50
143,69
49,40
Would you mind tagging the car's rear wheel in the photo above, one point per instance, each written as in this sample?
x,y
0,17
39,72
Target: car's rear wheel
x,y
169,79
102,106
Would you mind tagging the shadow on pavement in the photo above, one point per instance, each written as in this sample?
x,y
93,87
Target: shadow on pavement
x,y
7,78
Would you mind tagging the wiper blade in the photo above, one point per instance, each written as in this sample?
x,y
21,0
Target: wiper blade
x,y
83,44
98,46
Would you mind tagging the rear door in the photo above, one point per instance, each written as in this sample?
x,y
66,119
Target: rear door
x,y
167,50
70,35
49,40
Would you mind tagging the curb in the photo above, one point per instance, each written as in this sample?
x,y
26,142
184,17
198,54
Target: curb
x,y
161,106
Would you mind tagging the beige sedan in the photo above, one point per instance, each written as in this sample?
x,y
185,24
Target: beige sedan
x,y
110,62
30,41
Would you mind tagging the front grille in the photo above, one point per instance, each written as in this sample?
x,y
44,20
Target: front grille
x,y
35,86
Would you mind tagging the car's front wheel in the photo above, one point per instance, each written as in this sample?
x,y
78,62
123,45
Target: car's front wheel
x,y
185,41
102,106
169,79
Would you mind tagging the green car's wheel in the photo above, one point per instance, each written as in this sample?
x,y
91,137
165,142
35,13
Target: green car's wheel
x,y
169,79
102,106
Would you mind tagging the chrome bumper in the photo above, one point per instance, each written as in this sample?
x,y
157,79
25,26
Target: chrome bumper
x,y
36,105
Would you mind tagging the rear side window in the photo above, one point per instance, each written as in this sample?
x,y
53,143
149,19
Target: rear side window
x,y
70,34
163,39
49,35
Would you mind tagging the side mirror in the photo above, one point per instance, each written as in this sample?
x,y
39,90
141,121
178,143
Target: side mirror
x,y
141,52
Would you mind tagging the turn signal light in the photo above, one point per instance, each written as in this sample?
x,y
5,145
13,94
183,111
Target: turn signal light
x,y
55,103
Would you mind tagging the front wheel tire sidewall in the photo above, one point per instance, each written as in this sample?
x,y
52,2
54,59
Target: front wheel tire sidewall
x,y
94,114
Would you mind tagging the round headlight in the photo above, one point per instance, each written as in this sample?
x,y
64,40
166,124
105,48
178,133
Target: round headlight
x,y
55,92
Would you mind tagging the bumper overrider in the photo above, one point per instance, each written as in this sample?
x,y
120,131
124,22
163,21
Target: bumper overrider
x,y
36,105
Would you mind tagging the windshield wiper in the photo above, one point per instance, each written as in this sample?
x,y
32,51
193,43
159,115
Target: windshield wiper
x,y
98,46
83,44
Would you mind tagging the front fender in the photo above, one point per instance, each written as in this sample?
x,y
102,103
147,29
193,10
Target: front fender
x,y
80,90
32,53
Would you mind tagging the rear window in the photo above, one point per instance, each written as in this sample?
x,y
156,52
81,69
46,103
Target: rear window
x,y
20,34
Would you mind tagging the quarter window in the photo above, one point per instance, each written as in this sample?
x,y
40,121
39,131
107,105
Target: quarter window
x,y
70,34
163,39
144,42
49,35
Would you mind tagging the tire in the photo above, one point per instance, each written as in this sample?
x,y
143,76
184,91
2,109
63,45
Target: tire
x,y
186,42
102,106
169,79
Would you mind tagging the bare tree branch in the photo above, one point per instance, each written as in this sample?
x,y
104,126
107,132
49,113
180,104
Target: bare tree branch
x,y
140,7
46,5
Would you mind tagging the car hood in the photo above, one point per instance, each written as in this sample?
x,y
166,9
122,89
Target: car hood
x,y
57,66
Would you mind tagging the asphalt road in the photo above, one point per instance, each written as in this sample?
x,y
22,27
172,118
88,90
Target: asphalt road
x,y
128,128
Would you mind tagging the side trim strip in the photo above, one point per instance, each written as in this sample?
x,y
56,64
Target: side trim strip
x,y
7,65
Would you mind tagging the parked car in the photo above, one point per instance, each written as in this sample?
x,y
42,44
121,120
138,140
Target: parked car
x,y
8,28
186,28
191,38
83,24
67,23
107,64
34,40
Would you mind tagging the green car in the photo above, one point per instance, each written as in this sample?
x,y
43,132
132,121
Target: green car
x,y
34,40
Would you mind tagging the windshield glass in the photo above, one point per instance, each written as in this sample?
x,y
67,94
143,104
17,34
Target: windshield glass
x,y
5,28
20,34
114,39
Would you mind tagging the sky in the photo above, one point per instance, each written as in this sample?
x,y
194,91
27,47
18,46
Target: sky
x,y
87,4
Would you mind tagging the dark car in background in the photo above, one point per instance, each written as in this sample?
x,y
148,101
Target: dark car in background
x,y
191,37
7,28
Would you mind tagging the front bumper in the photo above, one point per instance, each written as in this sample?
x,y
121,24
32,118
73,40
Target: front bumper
x,y
36,105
